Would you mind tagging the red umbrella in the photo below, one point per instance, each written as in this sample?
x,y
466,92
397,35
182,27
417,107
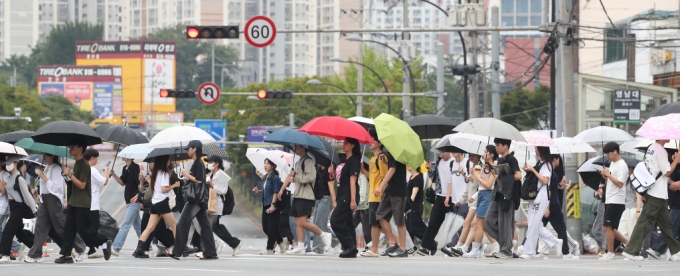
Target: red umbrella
x,y
337,128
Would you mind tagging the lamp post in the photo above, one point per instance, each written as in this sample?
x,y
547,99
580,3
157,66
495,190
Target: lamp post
x,y
318,82
342,60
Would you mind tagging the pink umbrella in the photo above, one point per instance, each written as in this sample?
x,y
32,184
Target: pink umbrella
x,y
8,148
284,155
535,139
665,127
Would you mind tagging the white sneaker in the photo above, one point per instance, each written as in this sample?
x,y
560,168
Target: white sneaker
x,y
300,249
337,249
542,256
285,244
667,256
558,248
267,252
576,250
520,250
115,253
218,247
493,248
676,257
31,260
327,239
527,257
22,253
474,253
234,252
570,257
80,256
5,260
95,255
633,258
484,247
607,257
653,253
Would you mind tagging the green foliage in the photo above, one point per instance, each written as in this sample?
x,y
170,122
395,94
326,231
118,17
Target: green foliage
x,y
526,109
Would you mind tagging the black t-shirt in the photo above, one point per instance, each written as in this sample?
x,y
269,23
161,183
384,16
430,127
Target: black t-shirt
x,y
130,177
352,168
416,182
325,178
198,170
555,202
514,167
396,187
674,196
179,199
560,193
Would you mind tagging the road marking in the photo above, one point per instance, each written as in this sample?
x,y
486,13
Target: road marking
x,y
145,267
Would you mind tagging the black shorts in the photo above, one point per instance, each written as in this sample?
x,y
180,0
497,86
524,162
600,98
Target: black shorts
x,y
372,213
161,208
612,214
302,207
392,206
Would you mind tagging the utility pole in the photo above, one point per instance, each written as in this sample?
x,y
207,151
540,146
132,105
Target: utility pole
x,y
405,36
495,66
559,107
291,119
474,92
212,65
360,69
440,79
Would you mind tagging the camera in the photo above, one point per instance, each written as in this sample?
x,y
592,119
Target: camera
x,y
17,111
29,120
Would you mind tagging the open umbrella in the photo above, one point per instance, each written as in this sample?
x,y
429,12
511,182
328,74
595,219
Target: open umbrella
x,y
603,134
398,137
666,127
665,109
337,128
13,137
286,156
258,155
7,148
567,145
175,153
363,121
215,149
604,161
36,159
138,151
534,139
590,173
490,127
431,126
29,144
121,134
469,143
326,156
63,133
179,136
290,137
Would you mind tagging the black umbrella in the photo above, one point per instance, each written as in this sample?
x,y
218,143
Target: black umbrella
x,y
121,134
174,153
326,156
63,133
211,149
13,137
431,126
604,161
591,179
665,109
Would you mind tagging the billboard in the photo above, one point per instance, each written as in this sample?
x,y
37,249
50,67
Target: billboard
x,y
103,101
256,135
77,83
158,74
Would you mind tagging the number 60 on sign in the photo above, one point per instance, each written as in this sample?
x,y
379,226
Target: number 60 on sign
x,y
260,31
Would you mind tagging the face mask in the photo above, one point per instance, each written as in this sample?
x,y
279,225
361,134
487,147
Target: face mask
x,y
210,167
9,167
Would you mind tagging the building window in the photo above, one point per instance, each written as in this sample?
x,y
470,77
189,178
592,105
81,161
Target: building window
x,y
521,12
614,50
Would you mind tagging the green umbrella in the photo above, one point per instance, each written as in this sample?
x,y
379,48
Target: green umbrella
x,y
400,139
29,144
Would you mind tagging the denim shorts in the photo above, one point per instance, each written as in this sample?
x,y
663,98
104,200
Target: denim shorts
x,y
483,201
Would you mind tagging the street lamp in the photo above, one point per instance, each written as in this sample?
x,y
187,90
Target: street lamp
x,y
318,82
342,60
408,66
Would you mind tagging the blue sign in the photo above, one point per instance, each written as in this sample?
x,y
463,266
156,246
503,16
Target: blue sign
x,y
103,100
256,134
216,128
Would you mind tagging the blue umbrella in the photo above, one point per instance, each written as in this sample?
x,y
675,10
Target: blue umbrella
x,y
289,137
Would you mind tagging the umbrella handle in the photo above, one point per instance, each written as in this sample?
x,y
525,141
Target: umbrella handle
x,y
114,158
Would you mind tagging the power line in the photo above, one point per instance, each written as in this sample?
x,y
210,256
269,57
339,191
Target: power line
x,y
607,14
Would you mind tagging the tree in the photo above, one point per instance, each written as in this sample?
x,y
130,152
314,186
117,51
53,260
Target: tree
x,y
526,109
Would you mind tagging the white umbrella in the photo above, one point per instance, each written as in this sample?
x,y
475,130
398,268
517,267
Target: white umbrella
x,y
179,136
470,143
258,155
643,145
8,148
362,120
603,134
138,151
490,127
567,145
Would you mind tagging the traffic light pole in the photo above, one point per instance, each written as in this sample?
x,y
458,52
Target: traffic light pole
x,y
426,94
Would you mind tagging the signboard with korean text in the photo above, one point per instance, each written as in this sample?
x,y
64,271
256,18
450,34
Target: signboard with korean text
x,y
627,106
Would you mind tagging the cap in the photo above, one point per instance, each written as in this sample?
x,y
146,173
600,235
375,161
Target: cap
x,y
12,159
213,158
194,144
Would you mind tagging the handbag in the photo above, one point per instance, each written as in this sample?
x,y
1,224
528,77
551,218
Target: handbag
x,y
212,202
196,192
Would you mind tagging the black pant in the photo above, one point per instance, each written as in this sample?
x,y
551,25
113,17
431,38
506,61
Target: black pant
x,y
415,225
78,222
15,227
556,219
270,225
221,231
191,211
161,232
343,224
94,222
361,216
437,217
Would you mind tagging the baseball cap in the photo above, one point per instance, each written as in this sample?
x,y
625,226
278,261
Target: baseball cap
x,y
194,144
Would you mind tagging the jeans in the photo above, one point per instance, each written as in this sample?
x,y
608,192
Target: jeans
x,y
15,244
321,214
131,219
660,243
655,211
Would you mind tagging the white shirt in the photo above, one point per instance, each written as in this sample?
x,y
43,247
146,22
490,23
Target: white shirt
x,y
458,179
4,203
444,171
614,194
657,162
545,171
162,180
55,184
98,181
221,183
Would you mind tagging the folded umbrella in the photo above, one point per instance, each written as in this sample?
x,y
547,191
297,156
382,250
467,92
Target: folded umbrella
x,y
401,141
29,144
290,137
666,127
258,155
13,137
63,133
431,126
337,128
490,127
138,151
179,136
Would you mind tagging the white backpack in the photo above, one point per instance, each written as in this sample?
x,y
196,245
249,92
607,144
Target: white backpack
x,y
642,178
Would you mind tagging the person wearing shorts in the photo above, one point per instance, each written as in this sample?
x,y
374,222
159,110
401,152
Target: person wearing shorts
x,y
393,202
485,180
615,197
376,172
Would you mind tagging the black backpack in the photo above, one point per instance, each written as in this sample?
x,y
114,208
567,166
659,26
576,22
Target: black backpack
x,y
228,200
530,185
319,180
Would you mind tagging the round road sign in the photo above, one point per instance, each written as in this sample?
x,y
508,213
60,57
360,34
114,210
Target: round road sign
x,y
208,93
260,31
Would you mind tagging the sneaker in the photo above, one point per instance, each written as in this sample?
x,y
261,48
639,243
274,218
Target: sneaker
x,y
115,253
267,252
676,257
218,247
398,254
234,252
527,256
326,238
5,260
285,244
633,258
412,251
499,255
31,260
653,253
199,255
558,248
576,250
667,256
337,249
369,253
492,248
107,250
452,251
423,252
390,249
607,257
64,260
300,249
542,256
80,256
520,250
570,257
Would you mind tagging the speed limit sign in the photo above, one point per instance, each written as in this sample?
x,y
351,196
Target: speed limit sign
x,y
260,31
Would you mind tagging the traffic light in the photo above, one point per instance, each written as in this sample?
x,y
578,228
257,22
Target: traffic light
x,y
274,94
172,93
461,70
213,32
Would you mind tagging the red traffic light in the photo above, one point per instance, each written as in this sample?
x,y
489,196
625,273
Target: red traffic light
x,y
261,94
164,93
192,32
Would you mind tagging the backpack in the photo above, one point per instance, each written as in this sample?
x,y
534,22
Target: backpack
x,y
642,178
228,202
530,185
28,213
319,180
363,192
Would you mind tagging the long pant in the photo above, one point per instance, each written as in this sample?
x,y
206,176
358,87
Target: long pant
x,y
535,228
221,232
15,227
50,217
161,232
131,220
415,225
660,243
571,243
15,244
627,223
78,222
270,226
655,211
191,211
437,216
500,224
557,222
322,211
343,224
194,231
361,216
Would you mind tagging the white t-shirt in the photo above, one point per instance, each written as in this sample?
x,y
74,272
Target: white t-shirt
x,y
614,194
4,203
98,181
657,161
546,171
444,171
458,179
162,180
